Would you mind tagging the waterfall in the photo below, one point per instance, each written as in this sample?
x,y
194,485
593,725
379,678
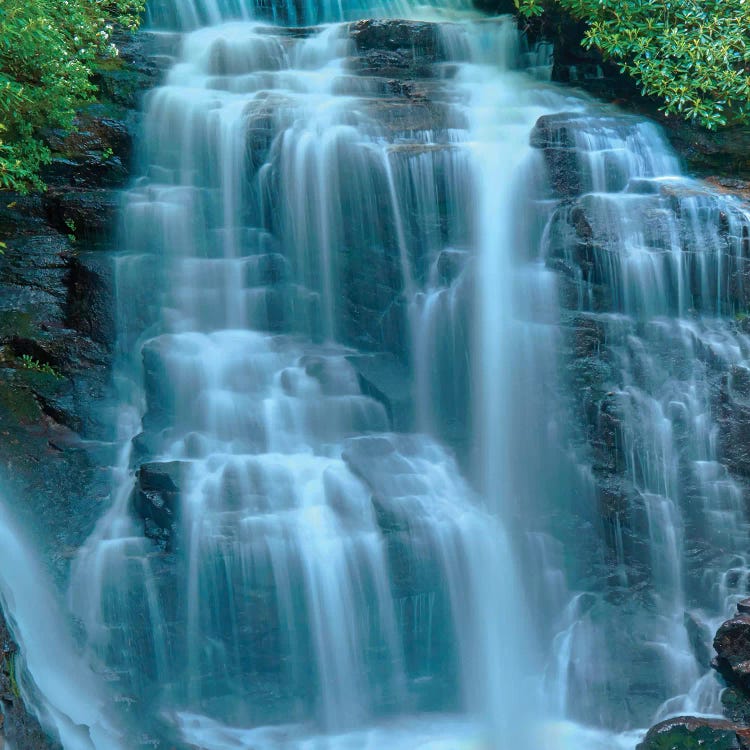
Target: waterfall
x,y
418,360
47,665
311,537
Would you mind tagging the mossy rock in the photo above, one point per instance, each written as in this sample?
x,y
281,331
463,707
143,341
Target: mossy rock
x,y
18,323
692,733
19,401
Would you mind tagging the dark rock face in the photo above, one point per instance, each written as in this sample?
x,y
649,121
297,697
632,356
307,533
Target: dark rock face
x,y
88,307
732,644
85,214
555,135
156,500
687,732
734,418
495,6
395,48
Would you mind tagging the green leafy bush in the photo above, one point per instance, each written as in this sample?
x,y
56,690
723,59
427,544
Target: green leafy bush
x,y
48,51
694,55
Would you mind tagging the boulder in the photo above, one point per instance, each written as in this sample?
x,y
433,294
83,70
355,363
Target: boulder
x,y
691,733
732,644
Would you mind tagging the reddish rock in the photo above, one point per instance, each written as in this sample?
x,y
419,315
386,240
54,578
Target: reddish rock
x,y
732,644
683,732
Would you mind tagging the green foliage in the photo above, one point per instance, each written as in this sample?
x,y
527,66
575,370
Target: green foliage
x,y
71,225
12,679
48,52
29,363
694,55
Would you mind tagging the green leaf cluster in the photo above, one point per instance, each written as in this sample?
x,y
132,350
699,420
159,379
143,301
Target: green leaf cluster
x,y
694,55
29,363
48,53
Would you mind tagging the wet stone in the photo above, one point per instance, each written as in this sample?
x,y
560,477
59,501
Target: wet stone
x,y
732,644
156,500
384,378
689,732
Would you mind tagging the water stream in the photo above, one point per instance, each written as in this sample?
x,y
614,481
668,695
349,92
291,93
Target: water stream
x,y
357,332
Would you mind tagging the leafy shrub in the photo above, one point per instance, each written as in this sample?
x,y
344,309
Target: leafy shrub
x,y
48,51
694,55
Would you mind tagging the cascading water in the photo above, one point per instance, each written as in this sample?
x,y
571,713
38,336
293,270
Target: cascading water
x,y
418,443
290,598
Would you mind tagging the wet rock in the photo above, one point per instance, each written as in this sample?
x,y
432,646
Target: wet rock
x,y
735,705
414,42
562,138
395,51
730,186
581,246
88,306
266,270
159,396
17,725
743,607
450,265
734,420
710,153
688,732
732,645
562,167
143,57
403,116
156,500
375,311
82,214
384,378
699,638
555,131
496,6
96,153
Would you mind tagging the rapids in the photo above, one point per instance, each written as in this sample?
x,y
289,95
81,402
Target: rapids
x,y
352,366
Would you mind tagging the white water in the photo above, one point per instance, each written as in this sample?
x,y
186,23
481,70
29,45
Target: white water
x,y
336,581
66,696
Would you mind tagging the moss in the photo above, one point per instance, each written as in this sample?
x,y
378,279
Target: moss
x,y
17,323
19,401
693,738
10,670
108,64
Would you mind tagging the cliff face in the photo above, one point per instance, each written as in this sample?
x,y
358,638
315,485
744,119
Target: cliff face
x,y
57,336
